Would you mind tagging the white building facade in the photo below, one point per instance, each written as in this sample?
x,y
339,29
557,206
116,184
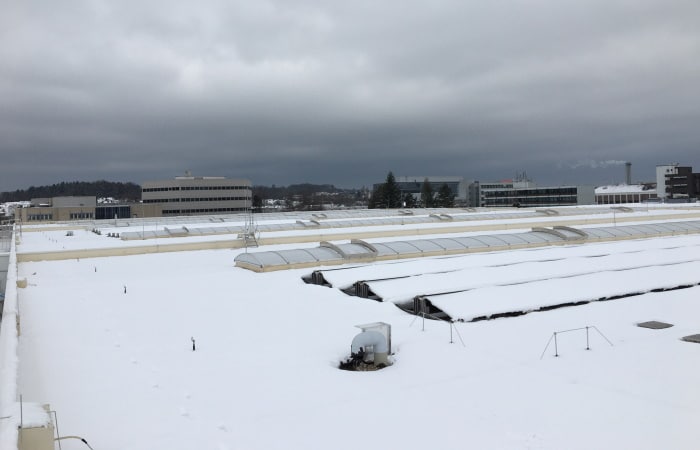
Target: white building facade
x,y
624,193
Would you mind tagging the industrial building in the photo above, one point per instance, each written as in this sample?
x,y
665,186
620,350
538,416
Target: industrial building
x,y
58,208
181,196
521,192
188,195
524,193
625,193
675,182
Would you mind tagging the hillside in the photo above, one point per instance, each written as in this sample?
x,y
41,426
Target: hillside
x,y
102,188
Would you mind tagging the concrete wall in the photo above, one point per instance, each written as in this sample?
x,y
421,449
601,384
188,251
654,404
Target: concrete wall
x,y
9,340
585,195
56,214
4,263
36,438
74,202
146,209
39,433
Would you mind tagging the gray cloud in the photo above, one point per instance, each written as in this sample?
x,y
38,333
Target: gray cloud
x,y
338,92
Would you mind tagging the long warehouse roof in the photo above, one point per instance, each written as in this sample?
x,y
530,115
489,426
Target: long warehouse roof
x,y
360,251
353,218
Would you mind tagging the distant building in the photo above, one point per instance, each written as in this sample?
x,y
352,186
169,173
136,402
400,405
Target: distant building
x,y
625,193
525,193
413,185
190,195
661,172
180,196
58,208
521,192
675,182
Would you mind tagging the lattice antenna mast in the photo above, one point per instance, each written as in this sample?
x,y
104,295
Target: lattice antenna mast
x,y
250,230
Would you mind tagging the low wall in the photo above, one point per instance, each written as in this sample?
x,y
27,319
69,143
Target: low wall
x,y
4,263
9,340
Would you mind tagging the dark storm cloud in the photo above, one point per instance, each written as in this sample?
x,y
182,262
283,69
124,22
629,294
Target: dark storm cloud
x,y
342,92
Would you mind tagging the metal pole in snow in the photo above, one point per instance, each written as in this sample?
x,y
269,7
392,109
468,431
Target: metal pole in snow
x,y
588,347
556,349
58,433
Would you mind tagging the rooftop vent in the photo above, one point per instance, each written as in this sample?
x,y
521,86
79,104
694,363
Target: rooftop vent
x,y
655,325
692,338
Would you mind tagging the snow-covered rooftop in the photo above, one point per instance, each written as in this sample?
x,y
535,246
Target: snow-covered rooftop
x,y
625,189
107,342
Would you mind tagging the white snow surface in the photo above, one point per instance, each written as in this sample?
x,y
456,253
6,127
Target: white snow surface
x,y
120,371
652,268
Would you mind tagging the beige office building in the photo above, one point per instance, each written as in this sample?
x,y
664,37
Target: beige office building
x,y
58,209
188,195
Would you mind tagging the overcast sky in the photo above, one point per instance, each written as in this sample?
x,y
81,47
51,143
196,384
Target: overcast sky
x,y
341,92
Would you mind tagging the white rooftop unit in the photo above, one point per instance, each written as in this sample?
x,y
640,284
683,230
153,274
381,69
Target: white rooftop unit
x,y
373,344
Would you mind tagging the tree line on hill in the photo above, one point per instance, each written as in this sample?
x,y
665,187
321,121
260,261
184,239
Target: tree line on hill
x,y
303,196
117,190
388,195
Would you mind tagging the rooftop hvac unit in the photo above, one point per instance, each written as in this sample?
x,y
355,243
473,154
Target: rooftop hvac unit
x,y
373,345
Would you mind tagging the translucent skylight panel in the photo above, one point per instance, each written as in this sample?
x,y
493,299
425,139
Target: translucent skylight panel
x,y
427,245
448,244
298,256
492,241
535,237
403,248
599,232
470,242
324,254
354,249
512,239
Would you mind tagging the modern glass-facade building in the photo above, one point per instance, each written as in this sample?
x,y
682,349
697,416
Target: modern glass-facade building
x,y
530,196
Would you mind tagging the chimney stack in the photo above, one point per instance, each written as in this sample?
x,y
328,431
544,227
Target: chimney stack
x,y
628,173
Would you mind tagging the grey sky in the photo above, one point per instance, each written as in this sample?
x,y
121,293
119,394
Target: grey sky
x,y
342,92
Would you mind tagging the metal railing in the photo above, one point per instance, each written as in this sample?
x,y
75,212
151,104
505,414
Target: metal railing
x,y
452,325
588,342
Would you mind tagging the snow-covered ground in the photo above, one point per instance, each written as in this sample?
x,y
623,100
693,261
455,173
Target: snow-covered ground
x,y
119,369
